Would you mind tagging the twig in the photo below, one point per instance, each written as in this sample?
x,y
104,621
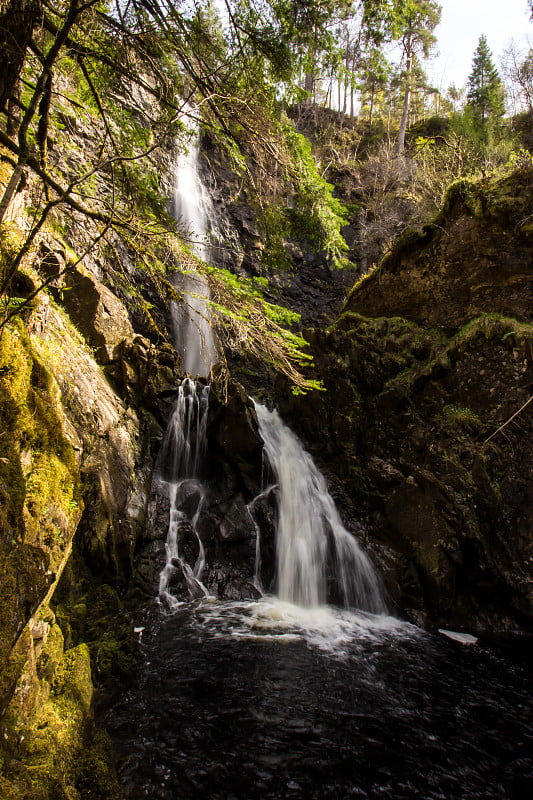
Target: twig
x,y
509,420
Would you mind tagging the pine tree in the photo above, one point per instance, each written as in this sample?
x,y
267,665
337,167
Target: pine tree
x,y
486,96
419,19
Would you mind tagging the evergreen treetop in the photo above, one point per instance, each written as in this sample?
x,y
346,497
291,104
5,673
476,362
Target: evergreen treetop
x,y
485,95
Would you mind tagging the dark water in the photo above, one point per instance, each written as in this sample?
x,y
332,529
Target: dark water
x,y
227,708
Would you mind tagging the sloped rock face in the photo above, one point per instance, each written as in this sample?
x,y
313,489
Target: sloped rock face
x,y
82,399
412,412
477,256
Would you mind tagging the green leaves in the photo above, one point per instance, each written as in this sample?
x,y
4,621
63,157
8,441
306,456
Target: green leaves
x,y
306,209
245,321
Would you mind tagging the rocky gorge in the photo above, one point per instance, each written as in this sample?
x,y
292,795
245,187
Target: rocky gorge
x,y
423,429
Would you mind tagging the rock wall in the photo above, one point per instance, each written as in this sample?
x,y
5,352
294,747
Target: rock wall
x,y
79,398
412,413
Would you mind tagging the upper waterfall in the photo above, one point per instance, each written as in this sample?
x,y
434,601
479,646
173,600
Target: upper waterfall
x,y
310,537
192,208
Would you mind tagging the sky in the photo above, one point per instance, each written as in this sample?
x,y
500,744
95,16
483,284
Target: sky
x,y
463,22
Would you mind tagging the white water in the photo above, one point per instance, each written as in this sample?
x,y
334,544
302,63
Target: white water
x,y
314,552
313,549
327,628
193,334
312,545
178,471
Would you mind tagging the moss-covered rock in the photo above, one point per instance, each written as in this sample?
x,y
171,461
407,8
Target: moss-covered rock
x,y
68,453
40,484
476,257
47,749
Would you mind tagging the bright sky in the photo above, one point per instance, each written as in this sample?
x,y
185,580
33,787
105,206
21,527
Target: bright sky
x,y
463,22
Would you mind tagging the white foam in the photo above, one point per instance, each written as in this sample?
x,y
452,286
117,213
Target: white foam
x,y
326,628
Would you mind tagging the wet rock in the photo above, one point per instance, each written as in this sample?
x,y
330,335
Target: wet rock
x,y
158,515
236,524
93,308
233,428
230,584
383,474
148,564
450,517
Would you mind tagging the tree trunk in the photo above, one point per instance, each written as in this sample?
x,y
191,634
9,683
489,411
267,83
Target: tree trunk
x,y
309,83
346,72
400,145
17,20
10,189
328,97
352,87
71,15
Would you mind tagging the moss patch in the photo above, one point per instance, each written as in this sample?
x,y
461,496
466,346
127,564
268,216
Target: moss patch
x,y
46,753
39,486
408,421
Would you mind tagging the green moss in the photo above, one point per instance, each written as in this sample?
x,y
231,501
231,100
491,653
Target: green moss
x,y
456,193
465,419
361,282
44,727
492,327
97,778
37,464
10,241
390,327
498,195
98,619
46,752
39,491
441,352
408,241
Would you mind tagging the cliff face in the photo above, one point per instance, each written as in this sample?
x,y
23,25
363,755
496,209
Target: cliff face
x,y
75,458
476,257
412,410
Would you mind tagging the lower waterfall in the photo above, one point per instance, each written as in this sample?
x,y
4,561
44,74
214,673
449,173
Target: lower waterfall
x,y
310,536
177,472
313,548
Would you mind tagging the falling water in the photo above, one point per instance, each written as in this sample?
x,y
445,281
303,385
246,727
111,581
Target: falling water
x,y
310,536
178,473
193,334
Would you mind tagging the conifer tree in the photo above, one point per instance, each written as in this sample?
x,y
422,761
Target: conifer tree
x,y
485,97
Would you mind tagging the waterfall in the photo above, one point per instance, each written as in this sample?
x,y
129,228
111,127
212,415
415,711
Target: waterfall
x,y
185,443
181,457
192,208
310,537
178,475
314,551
